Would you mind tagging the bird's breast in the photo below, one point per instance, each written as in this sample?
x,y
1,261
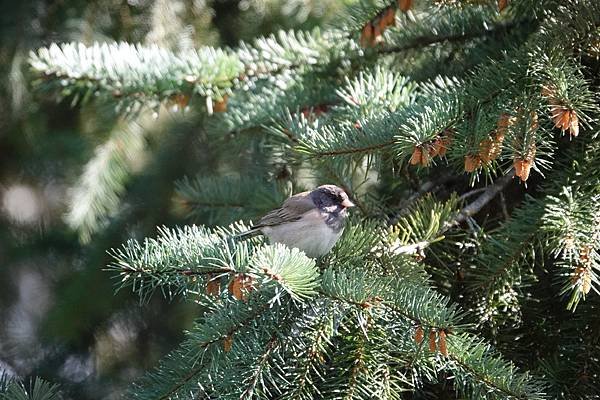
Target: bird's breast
x,y
315,233
335,220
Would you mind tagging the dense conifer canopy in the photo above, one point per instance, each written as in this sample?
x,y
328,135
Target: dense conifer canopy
x,y
466,134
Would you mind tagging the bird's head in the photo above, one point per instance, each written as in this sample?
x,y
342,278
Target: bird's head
x,y
330,196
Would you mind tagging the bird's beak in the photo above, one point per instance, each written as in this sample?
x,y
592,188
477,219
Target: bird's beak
x,y
347,203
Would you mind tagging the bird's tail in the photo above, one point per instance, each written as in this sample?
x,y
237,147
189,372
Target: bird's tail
x,y
253,231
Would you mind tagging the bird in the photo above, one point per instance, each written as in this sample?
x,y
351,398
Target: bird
x,y
311,221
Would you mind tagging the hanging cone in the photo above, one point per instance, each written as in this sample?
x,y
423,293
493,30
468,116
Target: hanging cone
x,y
432,149
522,168
213,286
240,285
505,121
565,119
416,156
377,32
390,17
442,343
227,343
436,147
443,142
586,282
404,5
181,100
574,124
485,149
420,156
220,106
432,346
419,334
490,148
472,163
366,36
549,92
582,278
534,121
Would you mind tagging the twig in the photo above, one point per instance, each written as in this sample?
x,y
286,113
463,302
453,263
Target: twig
x,y
489,192
474,207
471,193
504,208
425,188
412,249
425,41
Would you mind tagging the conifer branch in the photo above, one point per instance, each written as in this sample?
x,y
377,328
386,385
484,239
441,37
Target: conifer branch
x,y
202,346
484,366
572,221
366,149
404,298
358,364
135,74
474,207
406,225
98,191
423,225
177,257
225,199
313,353
424,41
36,389
272,344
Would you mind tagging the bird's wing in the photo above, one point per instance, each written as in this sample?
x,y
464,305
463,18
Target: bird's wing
x,y
291,210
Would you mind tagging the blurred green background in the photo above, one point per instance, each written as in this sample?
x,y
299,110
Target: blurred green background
x,y
59,316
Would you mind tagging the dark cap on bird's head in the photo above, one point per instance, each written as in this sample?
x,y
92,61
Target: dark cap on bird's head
x,y
330,195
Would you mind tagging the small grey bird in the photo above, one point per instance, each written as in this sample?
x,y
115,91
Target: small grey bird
x,y
310,221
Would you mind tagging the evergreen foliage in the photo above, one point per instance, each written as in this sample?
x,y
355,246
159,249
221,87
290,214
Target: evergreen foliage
x,y
439,287
102,183
38,389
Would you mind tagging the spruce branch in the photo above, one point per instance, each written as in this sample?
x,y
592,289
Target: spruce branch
x,y
480,373
339,131
423,225
522,228
36,389
404,298
259,367
483,372
225,199
365,359
133,74
314,344
359,365
289,50
540,227
474,24
98,191
428,220
297,92
572,222
166,382
190,369
181,261
137,75
418,304
488,194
